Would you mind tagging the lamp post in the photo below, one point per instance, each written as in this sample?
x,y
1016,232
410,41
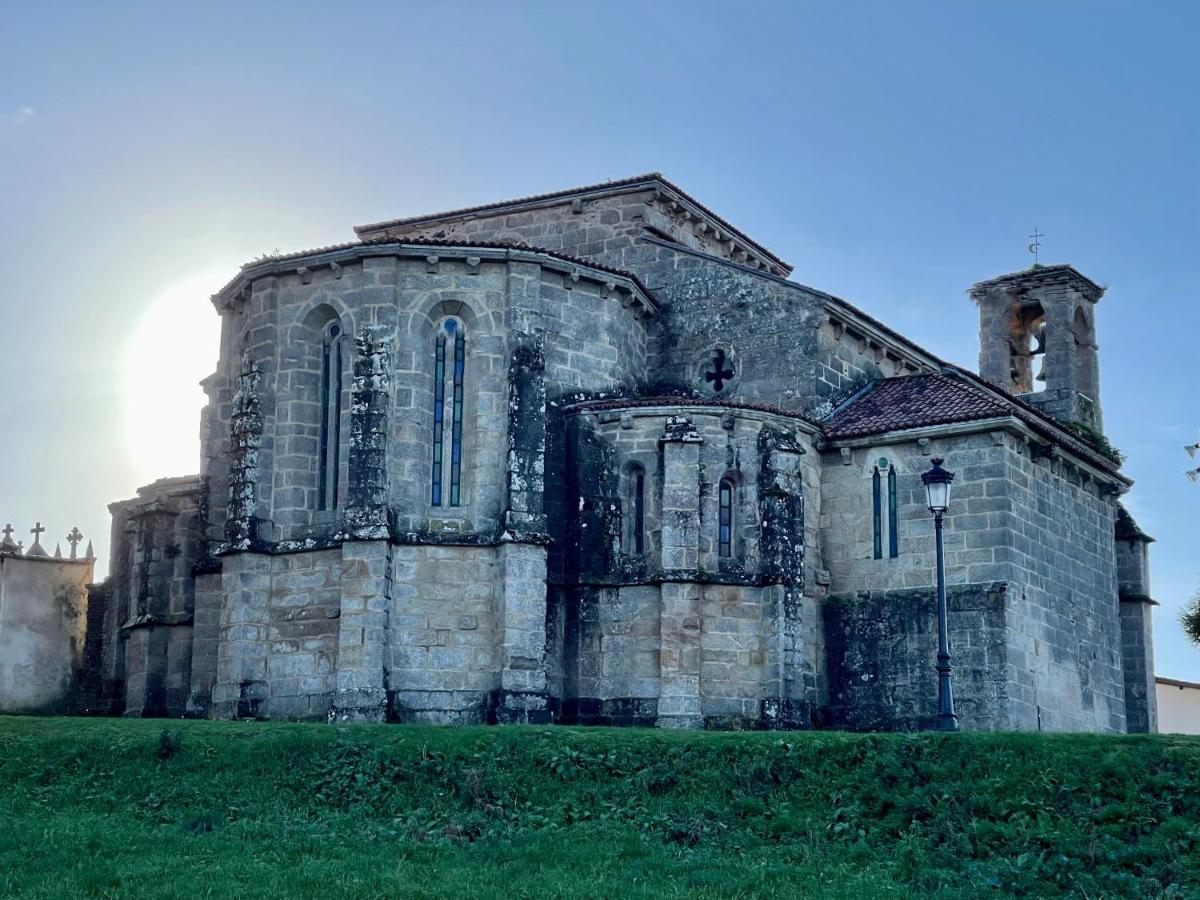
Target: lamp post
x,y
937,493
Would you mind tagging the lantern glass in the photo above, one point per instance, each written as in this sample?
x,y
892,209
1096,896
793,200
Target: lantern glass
x,y
937,487
938,495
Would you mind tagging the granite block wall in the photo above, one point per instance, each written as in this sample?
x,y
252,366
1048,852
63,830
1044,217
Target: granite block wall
x,y
1038,524
881,647
444,653
679,633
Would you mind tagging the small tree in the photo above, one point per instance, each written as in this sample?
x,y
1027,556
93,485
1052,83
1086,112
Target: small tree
x,y
1190,618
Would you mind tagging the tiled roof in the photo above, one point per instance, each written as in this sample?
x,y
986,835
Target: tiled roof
x,y
464,243
913,401
919,401
648,179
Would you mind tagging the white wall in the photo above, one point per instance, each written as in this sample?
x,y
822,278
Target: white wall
x,y
1178,707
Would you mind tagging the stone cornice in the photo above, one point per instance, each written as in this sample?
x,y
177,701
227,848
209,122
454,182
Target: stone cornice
x,y
1041,276
668,406
629,289
956,429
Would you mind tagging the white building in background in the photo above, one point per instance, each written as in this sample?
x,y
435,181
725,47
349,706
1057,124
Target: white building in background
x,y
1178,706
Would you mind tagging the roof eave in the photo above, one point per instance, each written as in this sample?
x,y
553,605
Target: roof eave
x,y
650,181
972,426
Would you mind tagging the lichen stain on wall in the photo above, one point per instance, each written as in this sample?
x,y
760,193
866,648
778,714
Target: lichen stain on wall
x,y
43,605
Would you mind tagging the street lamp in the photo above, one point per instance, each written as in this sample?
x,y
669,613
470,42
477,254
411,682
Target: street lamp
x,y
937,494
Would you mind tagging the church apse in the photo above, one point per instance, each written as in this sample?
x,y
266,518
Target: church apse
x,y
684,603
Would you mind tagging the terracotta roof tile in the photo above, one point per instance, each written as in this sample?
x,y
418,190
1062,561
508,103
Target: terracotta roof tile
x,y
918,401
913,401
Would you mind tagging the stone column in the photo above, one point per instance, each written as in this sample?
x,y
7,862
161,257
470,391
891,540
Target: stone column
x,y
521,568
679,618
241,688
781,550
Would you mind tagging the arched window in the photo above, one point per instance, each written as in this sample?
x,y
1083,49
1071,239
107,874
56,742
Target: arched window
x,y
725,518
331,415
878,519
450,351
1085,354
635,510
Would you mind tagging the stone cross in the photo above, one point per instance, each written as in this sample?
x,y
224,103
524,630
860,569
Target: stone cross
x,y
73,539
720,372
8,532
36,531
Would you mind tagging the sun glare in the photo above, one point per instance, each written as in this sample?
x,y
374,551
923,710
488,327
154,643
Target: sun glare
x,y
173,347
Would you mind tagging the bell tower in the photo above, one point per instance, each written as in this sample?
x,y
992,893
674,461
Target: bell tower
x,y
1037,340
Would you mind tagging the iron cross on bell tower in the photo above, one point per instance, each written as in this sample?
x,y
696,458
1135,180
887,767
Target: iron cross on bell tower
x,y
1036,245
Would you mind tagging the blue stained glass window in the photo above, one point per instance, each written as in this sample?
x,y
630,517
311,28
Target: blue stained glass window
x,y
439,407
725,518
451,338
331,417
877,517
893,530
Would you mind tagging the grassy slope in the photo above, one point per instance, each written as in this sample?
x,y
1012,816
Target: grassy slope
x,y
88,807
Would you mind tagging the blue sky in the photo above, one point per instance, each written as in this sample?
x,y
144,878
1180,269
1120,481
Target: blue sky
x,y
894,153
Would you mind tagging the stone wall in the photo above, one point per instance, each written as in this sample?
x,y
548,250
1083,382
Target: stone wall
x,y
678,633
600,227
847,356
1041,525
444,656
43,623
881,647
594,340
150,598
1066,648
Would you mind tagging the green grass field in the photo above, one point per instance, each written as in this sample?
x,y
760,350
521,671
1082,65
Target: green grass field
x,y
107,808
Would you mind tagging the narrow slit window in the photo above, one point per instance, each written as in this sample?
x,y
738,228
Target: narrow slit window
x,y
449,368
439,414
725,519
633,538
331,416
460,346
877,513
893,531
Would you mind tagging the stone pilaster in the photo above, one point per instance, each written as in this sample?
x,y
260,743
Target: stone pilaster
x,y
679,654
245,443
1137,635
525,516
242,688
781,513
366,585
521,568
366,515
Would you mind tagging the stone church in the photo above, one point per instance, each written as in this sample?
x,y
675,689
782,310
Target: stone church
x,y
592,457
